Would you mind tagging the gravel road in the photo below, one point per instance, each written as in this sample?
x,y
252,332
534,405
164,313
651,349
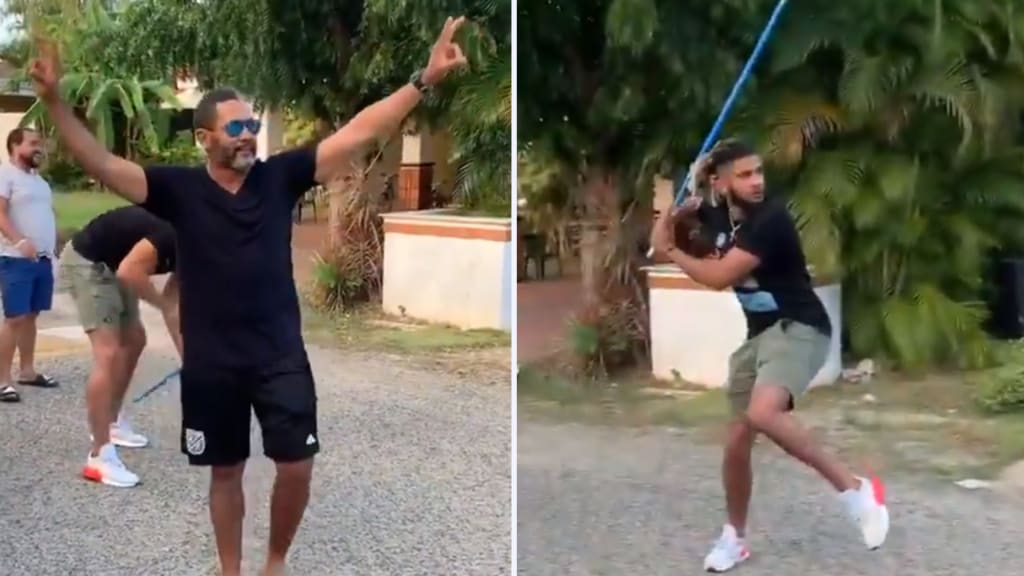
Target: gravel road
x,y
414,478
596,501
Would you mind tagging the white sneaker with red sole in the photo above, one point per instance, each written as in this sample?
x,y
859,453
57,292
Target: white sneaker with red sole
x,y
107,468
728,552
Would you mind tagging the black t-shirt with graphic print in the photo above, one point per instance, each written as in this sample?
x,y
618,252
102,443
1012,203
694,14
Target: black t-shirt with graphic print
x,y
109,237
239,305
780,287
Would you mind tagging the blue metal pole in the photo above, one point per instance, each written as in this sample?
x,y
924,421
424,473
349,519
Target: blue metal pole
x,y
709,141
157,386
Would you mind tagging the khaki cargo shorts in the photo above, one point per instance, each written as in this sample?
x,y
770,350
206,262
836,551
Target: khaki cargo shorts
x,y
102,301
787,356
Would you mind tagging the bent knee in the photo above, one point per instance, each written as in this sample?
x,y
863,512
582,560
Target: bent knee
x,y
767,403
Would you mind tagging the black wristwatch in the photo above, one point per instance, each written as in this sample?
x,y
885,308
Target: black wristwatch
x,y
417,81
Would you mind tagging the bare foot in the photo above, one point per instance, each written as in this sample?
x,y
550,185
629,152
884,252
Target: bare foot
x,y
274,570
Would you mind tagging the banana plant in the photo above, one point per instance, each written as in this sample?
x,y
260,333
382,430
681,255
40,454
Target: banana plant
x,y
101,98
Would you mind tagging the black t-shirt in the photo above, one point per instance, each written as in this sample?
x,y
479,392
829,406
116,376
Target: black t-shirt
x,y
239,305
109,237
780,287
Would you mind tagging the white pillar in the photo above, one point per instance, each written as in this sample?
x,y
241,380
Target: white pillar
x,y
271,137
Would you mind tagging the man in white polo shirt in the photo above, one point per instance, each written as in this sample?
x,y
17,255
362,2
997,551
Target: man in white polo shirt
x,y
28,238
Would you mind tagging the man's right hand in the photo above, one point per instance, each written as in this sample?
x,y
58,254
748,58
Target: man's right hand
x,y
27,249
45,71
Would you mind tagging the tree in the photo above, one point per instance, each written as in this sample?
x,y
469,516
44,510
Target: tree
x,y
112,96
615,92
897,126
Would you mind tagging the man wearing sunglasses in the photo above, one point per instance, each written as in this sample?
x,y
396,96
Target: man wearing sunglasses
x,y
239,308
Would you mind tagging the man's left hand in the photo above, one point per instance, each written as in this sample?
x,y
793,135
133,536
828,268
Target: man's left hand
x,y
446,55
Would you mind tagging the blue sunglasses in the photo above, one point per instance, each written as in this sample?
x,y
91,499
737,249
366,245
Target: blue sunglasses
x,y
235,127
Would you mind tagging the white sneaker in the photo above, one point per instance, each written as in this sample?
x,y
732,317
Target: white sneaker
x,y
121,434
728,552
866,507
107,468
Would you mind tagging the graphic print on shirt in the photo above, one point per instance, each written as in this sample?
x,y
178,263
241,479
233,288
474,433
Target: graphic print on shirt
x,y
753,299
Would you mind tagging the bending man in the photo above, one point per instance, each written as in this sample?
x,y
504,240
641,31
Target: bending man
x,y
789,332
107,268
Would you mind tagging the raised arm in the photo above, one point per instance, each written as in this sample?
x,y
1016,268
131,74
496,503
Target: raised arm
x,y
335,152
125,178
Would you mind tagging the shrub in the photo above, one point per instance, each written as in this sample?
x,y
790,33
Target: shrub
x,y
608,337
181,150
1000,390
347,276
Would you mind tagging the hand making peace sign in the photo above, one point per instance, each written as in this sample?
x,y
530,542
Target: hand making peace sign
x,y
446,55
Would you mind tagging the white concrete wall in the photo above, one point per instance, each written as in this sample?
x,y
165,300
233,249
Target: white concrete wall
x,y
448,269
693,331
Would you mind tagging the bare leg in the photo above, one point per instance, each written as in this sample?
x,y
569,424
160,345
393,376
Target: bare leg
x,y
287,505
768,415
9,336
100,389
133,341
227,509
27,348
737,476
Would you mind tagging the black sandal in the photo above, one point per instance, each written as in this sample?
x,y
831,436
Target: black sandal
x,y
40,381
9,394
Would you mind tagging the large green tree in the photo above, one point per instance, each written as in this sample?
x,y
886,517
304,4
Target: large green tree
x,y
896,125
122,103
892,127
610,94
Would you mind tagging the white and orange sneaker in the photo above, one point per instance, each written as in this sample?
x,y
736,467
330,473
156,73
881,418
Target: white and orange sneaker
x,y
729,551
122,434
866,507
107,468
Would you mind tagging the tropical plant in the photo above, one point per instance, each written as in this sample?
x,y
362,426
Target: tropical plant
x,y
896,125
479,117
119,106
612,93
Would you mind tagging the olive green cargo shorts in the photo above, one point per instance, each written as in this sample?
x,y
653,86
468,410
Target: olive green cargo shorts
x,y
789,357
102,301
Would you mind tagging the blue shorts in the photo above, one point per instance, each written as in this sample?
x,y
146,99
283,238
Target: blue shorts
x,y
26,285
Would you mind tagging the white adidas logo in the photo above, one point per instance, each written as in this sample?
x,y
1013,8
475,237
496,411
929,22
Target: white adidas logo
x,y
310,440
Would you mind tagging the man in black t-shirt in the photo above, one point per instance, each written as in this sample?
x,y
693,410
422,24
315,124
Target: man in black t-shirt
x,y
239,308
107,268
759,255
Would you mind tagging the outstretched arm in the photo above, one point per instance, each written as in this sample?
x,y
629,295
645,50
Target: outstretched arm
x,y
365,128
381,118
124,177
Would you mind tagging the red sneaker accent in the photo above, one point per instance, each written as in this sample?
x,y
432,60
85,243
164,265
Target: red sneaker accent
x,y
91,474
879,490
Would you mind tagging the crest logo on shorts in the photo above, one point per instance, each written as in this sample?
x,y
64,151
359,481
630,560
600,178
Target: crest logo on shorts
x,y
195,442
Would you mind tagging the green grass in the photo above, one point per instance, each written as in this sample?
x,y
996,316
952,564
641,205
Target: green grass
x,y
75,209
372,330
929,425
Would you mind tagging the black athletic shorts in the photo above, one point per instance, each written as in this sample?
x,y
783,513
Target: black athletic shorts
x,y
216,404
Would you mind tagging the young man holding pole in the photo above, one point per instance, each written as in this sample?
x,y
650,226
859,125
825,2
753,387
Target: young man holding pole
x,y
760,257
